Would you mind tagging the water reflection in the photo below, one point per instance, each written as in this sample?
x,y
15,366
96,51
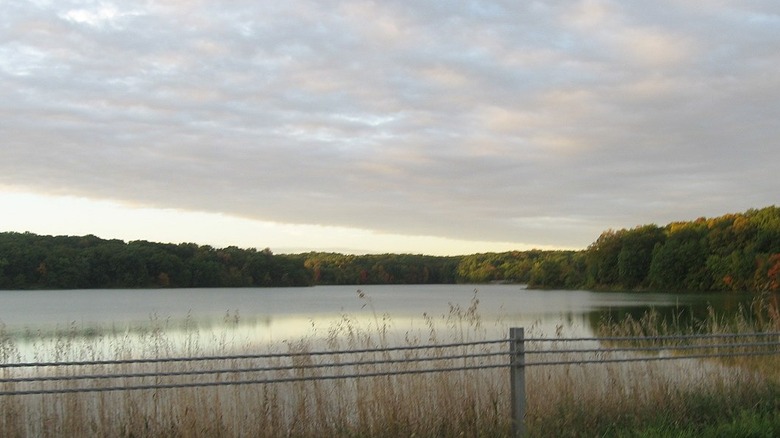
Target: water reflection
x,y
691,311
183,320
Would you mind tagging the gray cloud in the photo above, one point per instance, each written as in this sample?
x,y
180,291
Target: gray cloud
x,y
542,123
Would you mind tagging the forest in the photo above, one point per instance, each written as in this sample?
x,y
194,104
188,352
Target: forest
x,y
733,252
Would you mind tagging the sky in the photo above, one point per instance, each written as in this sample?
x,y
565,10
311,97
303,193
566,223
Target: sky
x,y
434,127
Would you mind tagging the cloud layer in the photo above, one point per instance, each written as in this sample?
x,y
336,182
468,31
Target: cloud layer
x,y
535,122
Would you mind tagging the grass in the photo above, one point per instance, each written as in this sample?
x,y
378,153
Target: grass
x,y
718,397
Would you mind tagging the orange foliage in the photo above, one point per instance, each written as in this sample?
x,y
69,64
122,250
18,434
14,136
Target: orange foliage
x,y
773,273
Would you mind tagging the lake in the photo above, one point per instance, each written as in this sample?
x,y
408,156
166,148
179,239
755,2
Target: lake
x,y
273,315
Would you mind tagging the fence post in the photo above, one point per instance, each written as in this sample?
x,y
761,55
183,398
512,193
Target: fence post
x,y
517,379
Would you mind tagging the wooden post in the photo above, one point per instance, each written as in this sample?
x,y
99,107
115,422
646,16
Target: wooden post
x,y
517,380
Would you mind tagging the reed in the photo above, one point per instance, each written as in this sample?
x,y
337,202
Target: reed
x,y
567,400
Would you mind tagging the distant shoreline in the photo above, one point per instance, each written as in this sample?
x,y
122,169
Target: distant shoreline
x,y
734,252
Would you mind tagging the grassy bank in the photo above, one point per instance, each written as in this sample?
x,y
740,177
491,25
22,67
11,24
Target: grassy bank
x,y
686,397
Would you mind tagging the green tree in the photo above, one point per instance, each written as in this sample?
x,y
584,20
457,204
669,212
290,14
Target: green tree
x,y
636,254
603,257
680,262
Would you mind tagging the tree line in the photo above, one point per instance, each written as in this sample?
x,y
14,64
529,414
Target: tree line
x,y
732,252
30,261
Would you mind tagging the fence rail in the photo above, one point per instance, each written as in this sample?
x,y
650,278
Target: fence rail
x,y
513,353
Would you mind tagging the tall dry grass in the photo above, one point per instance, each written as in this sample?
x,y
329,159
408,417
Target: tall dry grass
x,y
688,394
473,403
564,400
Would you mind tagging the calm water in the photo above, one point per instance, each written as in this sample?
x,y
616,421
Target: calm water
x,y
279,314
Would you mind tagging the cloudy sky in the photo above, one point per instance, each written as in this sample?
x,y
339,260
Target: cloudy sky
x,y
438,127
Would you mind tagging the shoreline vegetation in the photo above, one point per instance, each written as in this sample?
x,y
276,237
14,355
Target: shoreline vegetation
x,y
737,396
733,252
